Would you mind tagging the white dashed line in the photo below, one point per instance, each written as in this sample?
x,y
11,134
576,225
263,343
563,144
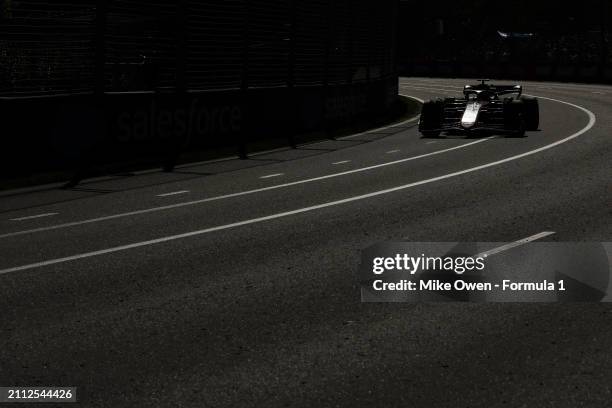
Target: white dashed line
x,y
31,217
241,193
173,193
341,162
393,151
272,175
514,244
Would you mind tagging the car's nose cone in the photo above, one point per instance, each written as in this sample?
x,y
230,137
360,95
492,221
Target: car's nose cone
x,y
470,115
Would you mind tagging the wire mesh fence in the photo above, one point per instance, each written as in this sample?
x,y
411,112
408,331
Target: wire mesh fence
x,y
46,47
49,48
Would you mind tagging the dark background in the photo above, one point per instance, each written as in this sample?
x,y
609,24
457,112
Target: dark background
x,y
570,41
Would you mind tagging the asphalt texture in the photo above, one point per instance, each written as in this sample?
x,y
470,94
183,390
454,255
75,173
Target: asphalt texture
x,y
240,287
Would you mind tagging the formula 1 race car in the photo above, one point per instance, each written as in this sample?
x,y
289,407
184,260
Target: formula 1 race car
x,y
484,108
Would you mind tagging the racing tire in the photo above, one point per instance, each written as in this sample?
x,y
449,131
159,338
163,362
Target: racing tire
x,y
531,111
521,128
515,117
431,118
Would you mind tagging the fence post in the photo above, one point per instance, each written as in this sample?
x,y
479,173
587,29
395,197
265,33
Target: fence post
x,y
291,75
100,44
326,58
372,35
604,9
328,10
244,82
181,46
351,40
180,85
88,159
395,49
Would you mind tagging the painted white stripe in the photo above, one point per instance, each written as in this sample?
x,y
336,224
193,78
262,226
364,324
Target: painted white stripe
x,y
238,194
514,244
341,162
173,193
393,151
31,217
272,175
432,142
590,124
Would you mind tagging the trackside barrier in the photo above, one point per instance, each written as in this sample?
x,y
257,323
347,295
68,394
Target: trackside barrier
x,y
76,132
93,82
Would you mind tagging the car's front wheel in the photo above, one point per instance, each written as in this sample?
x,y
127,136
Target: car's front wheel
x,y
516,124
431,118
520,127
531,110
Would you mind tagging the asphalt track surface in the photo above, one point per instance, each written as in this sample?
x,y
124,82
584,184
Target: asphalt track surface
x,y
234,283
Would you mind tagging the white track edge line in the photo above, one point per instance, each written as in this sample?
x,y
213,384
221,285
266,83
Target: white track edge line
x,y
238,194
